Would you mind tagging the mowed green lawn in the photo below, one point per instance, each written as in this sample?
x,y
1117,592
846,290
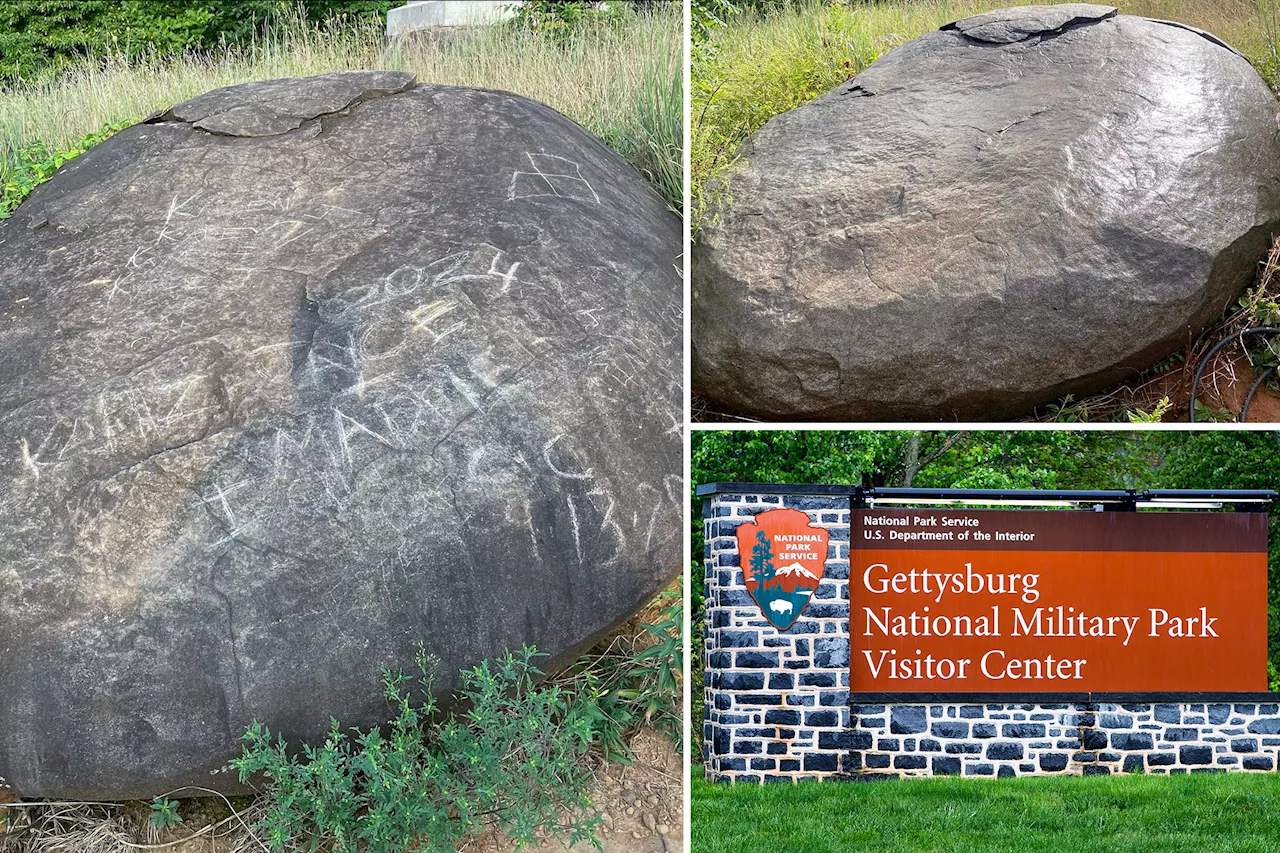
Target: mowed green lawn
x,y
1222,813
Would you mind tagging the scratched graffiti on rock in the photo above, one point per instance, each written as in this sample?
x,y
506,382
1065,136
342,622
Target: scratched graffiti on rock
x,y
359,402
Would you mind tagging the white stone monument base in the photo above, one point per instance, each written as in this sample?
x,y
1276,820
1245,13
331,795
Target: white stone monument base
x,y
448,13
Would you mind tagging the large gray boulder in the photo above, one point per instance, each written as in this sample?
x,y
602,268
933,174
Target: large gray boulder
x,y
299,374
1028,203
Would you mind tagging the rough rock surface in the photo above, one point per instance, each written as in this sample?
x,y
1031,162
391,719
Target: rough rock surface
x,y
1026,204
275,408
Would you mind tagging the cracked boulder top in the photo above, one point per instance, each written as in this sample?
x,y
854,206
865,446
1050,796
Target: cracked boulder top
x,y
1029,203
303,372
272,107
1019,23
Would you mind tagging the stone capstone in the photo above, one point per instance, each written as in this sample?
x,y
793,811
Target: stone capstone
x,y
1006,26
1028,203
277,106
298,375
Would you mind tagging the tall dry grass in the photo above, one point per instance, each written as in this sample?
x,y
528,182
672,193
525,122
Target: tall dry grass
x,y
758,66
622,82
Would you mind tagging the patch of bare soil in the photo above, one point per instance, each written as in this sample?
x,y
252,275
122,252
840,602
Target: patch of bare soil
x,y
1227,383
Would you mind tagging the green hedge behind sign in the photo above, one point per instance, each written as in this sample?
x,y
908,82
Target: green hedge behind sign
x,y
42,36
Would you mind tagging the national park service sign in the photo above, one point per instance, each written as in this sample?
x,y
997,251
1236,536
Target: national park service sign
x,y
782,558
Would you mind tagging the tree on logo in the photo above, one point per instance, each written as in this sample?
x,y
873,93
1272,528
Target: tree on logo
x,y
762,559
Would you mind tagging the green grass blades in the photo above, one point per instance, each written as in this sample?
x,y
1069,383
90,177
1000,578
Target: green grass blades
x,y
1227,813
632,682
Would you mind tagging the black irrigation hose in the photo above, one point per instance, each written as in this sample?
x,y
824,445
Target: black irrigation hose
x,y
1204,362
1257,383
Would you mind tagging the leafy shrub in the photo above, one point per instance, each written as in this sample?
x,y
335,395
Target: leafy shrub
x,y
560,18
697,662
33,164
657,670
44,36
707,15
1154,415
514,756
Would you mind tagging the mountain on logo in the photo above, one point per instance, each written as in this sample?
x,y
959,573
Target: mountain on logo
x,y
796,569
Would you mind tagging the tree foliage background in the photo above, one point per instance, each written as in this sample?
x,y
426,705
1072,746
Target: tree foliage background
x,y
1023,459
42,36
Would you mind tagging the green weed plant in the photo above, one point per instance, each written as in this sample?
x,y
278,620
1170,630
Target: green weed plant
x,y
34,163
164,814
428,780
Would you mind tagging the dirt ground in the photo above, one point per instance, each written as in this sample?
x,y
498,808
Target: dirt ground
x,y
1224,385
1227,388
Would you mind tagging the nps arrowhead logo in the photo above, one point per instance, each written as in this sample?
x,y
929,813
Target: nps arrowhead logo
x,y
782,558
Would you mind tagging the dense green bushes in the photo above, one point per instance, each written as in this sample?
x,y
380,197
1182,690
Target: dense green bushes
x,y
562,17
35,163
41,36
44,36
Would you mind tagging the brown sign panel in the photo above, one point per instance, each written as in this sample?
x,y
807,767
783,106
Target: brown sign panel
x,y
1013,601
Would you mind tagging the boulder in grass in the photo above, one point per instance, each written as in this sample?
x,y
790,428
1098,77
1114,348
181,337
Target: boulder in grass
x,y
1028,203
297,375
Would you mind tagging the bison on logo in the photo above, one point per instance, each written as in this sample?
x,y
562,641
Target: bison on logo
x,y
782,558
